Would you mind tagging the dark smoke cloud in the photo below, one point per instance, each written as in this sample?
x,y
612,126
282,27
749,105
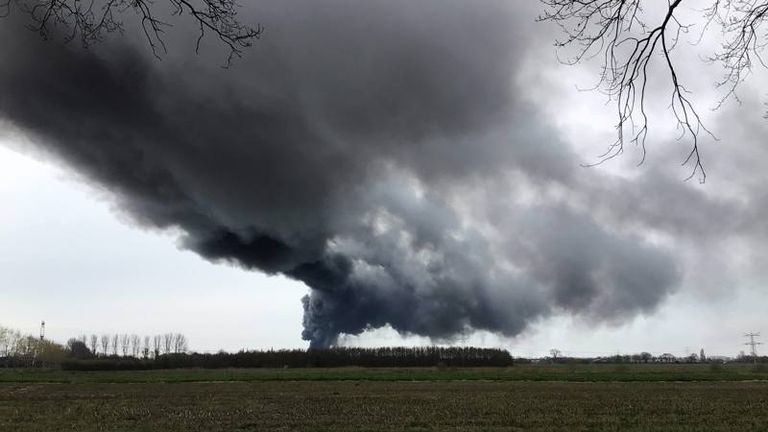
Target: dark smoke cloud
x,y
380,152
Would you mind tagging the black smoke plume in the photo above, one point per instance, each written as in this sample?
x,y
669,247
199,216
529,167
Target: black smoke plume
x,y
381,152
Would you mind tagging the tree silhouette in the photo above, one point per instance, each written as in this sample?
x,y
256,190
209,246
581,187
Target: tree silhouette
x,y
627,38
93,342
104,339
78,349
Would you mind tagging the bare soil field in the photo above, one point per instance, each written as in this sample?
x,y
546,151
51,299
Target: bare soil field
x,y
385,406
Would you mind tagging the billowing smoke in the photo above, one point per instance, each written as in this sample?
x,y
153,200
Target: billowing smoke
x,y
378,151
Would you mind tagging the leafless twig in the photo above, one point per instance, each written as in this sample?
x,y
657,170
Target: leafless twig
x,y
90,20
617,30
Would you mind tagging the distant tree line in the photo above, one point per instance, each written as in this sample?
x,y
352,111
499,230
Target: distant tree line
x,y
20,350
334,357
364,357
646,357
125,351
171,350
127,345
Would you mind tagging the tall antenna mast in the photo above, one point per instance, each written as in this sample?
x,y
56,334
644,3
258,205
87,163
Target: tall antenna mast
x,y
752,344
42,330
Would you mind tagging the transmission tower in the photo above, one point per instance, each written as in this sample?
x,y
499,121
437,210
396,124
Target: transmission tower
x,y
42,330
753,344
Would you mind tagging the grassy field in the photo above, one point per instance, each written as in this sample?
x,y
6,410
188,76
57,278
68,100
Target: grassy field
x,y
571,373
519,398
386,406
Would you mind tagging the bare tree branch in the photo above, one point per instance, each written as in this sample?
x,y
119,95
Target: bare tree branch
x,y
743,42
618,31
90,20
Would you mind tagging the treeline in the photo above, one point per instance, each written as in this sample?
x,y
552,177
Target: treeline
x,y
127,345
20,350
334,357
170,350
364,357
646,357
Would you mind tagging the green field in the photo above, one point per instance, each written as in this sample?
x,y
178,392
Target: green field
x,y
531,372
520,398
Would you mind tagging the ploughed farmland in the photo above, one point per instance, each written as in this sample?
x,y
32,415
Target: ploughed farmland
x,y
89,402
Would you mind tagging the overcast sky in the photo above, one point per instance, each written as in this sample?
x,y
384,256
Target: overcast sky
x,y
387,173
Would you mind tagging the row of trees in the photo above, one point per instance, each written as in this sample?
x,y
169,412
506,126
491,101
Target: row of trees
x,y
20,350
170,350
643,357
128,345
556,356
334,357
